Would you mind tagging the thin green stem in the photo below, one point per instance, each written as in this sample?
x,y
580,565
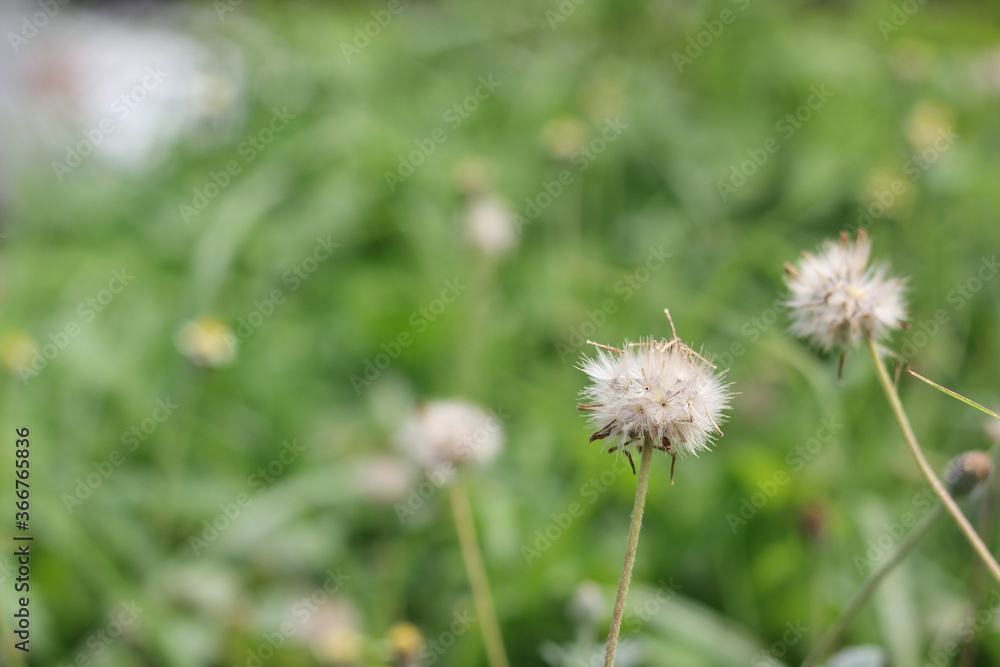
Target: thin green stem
x,y
462,511
925,468
633,539
861,596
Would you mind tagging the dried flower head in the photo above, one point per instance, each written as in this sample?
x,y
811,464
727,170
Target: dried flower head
x,y
837,298
966,472
441,434
662,391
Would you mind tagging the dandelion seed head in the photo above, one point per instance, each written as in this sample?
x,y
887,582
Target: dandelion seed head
x,y
488,226
659,390
441,434
839,299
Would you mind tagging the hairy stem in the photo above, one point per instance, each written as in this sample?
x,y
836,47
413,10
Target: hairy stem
x,y
633,540
462,511
925,468
833,634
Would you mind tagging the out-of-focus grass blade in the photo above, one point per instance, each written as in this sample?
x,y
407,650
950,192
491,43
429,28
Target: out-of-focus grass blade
x,y
953,394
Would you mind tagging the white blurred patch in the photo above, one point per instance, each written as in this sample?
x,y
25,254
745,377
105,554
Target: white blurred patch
x,y
117,90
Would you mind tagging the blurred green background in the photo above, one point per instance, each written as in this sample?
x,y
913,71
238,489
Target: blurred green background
x,y
291,205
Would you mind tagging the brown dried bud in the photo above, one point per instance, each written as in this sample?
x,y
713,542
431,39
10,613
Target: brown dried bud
x,y
966,471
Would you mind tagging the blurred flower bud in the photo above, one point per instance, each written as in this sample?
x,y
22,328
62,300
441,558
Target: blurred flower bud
x,y
488,226
207,341
965,472
928,124
385,478
17,349
565,136
473,175
332,632
444,433
603,98
889,189
993,429
587,606
913,59
986,72
813,520
406,641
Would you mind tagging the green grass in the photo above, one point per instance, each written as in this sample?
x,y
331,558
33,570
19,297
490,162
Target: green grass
x,y
511,338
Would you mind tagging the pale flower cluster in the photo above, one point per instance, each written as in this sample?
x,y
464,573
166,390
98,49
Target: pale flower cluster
x,y
657,390
839,299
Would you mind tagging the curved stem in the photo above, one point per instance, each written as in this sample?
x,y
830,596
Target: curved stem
x,y
925,468
633,540
488,624
833,634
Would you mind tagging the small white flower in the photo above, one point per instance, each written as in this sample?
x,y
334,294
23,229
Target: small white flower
x,y
838,299
489,227
660,390
444,433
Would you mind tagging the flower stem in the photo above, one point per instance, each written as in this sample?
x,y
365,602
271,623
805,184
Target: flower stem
x,y
633,540
861,596
925,468
462,511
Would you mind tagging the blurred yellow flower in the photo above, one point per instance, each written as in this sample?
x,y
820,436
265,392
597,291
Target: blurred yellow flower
x,y
207,341
928,123
565,136
406,639
16,349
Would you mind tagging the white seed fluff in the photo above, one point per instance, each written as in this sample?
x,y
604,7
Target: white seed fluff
x,y
838,299
658,390
442,434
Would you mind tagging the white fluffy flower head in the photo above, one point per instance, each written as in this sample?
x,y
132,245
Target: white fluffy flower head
x,y
443,434
838,299
662,391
